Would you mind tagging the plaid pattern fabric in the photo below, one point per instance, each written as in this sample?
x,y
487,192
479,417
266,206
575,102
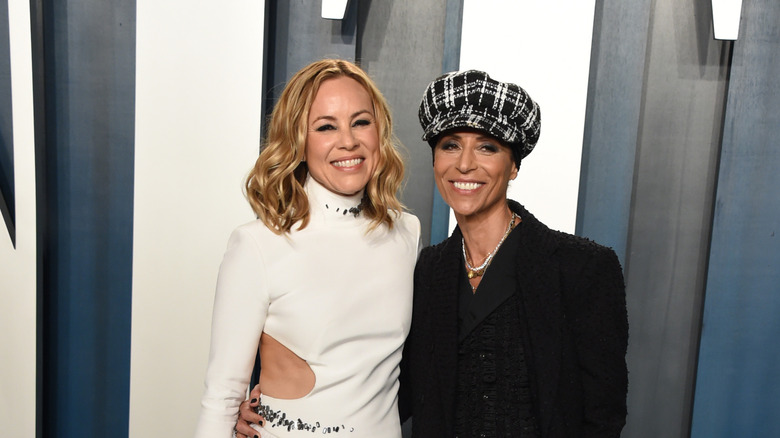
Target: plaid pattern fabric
x,y
472,99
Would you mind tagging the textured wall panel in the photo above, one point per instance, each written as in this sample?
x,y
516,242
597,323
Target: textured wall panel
x,y
89,60
674,183
298,35
738,380
401,47
612,121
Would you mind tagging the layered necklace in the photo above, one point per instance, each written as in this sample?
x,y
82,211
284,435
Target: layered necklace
x,y
472,271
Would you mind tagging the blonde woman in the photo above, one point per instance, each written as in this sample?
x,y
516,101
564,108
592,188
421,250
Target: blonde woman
x,y
321,282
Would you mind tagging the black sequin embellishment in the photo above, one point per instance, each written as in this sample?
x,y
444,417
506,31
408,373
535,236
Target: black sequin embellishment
x,y
354,211
279,419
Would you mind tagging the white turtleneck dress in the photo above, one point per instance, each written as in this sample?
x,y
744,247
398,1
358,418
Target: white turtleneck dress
x,y
336,296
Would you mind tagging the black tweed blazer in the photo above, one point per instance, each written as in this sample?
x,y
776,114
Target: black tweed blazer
x,y
576,333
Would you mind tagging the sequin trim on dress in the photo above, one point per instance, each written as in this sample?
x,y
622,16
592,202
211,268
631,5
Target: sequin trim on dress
x,y
279,419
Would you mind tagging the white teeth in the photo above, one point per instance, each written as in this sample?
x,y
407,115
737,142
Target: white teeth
x,y
348,163
466,185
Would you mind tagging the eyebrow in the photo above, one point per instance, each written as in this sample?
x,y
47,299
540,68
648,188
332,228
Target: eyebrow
x,y
355,114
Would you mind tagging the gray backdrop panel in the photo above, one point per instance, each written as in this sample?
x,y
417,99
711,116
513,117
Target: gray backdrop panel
x,y
401,46
738,379
678,146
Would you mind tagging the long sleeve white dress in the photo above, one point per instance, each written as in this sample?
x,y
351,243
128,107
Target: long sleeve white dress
x,y
338,297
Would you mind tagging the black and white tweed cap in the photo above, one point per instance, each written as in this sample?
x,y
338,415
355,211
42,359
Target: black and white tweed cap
x,y
472,99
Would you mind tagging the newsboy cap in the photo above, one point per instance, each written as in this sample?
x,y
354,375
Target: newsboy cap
x,y
472,99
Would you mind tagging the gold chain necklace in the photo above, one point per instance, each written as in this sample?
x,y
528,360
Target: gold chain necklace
x,y
479,270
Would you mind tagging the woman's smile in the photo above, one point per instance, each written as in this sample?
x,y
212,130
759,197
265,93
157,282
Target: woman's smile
x,y
467,186
348,163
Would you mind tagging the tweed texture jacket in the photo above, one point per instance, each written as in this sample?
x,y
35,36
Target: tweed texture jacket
x,y
573,310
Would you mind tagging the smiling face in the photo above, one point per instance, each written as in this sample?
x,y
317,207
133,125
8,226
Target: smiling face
x,y
342,142
472,171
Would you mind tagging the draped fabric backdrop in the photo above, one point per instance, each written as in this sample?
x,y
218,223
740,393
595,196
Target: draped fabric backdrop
x,y
126,129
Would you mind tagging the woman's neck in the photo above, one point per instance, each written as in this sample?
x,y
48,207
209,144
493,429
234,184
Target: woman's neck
x,y
482,232
320,194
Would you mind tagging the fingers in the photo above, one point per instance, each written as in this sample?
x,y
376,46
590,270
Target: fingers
x,y
255,392
245,430
247,412
248,418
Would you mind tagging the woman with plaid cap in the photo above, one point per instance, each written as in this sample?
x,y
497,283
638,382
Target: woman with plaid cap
x,y
517,330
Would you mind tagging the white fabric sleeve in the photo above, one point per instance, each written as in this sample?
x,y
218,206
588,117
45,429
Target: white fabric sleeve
x,y
240,309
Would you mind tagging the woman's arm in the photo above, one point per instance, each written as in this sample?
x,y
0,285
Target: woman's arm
x,y
240,308
601,336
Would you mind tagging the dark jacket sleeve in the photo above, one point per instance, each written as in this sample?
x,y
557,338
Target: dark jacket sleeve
x,y
599,325
406,390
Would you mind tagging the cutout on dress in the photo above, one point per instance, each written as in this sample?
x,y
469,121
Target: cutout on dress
x,y
283,374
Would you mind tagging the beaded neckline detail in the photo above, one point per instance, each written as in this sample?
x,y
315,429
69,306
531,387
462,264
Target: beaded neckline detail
x,y
333,204
354,211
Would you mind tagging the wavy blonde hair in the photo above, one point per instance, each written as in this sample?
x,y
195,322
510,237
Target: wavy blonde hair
x,y
274,187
